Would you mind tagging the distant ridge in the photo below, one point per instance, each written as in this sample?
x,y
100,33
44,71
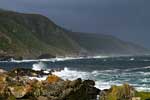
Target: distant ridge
x,y
32,35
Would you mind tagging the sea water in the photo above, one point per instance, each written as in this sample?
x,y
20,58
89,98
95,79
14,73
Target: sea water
x,y
105,71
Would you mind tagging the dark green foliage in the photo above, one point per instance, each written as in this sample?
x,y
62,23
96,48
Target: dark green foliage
x,y
143,95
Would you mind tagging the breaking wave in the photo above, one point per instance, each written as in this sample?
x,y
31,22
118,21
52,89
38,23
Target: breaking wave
x,y
105,71
106,78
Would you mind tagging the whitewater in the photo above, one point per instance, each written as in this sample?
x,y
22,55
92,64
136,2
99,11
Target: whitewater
x,y
105,71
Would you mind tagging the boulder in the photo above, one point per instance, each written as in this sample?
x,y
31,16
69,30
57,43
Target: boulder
x,y
53,79
75,83
27,72
5,57
46,56
20,91
18,58
89,83
3,78
16,84
66,92
2,71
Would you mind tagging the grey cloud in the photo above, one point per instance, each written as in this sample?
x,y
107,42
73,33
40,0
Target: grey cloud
x,y
127,19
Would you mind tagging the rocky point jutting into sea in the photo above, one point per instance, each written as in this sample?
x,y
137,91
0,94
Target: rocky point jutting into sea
x,y
23,84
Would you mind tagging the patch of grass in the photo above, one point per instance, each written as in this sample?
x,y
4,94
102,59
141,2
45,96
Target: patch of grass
x,y
143,95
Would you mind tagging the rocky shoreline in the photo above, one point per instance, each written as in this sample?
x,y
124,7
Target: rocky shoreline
x,y
17,85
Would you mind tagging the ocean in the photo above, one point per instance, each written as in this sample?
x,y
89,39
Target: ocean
x,y
105,71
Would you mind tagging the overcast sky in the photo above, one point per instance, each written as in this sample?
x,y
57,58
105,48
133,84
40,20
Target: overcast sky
x,y
126,19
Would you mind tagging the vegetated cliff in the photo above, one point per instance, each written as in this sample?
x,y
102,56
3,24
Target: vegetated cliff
x,y
31,35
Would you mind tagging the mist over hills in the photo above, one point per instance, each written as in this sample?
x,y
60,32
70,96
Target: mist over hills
x,y
31,35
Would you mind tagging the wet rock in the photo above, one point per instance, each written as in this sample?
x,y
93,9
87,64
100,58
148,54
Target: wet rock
x,y
27,72
89,83
5,57
46,56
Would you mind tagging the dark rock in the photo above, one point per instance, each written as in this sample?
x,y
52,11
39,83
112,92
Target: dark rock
x,y
27,72
67,92
75,83
89,82
93,91
9,58
5,57
46,56
18,58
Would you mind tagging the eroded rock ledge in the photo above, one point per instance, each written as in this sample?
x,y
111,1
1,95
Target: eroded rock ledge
x,y
16,84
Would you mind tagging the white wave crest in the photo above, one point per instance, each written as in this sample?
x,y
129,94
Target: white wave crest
x,y
39,66
38,78
71,74
74,74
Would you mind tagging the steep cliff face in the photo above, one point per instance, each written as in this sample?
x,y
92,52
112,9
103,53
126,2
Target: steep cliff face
x,y
31,35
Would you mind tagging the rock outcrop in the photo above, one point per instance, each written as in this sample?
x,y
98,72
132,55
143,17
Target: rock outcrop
x,y
17,85
124,92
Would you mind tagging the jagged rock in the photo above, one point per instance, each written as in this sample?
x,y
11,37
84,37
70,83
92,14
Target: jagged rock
x,y
53,79
75,83
27,72
17,85
67,92
5,57
20,91
89,82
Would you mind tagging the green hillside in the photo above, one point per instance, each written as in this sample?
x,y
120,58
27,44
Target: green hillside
x,y
106,44
31,35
